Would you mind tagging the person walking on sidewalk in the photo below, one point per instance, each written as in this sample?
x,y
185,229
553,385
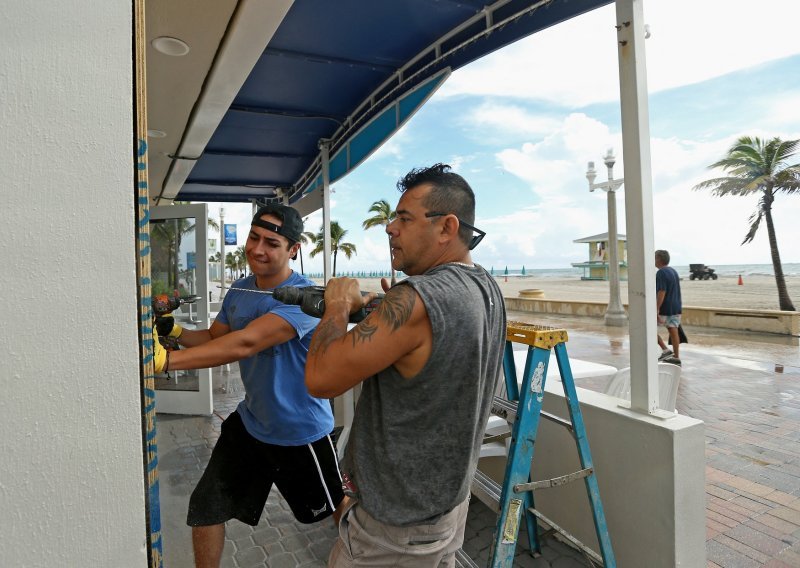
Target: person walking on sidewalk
x,y
279,434
429,357
668,297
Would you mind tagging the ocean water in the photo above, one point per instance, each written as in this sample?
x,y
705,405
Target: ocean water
x,y
789,269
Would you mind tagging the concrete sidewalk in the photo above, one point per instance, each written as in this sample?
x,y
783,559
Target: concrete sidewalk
x,y
745,387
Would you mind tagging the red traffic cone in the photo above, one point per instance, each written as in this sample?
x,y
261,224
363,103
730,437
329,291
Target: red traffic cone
x,y
740,281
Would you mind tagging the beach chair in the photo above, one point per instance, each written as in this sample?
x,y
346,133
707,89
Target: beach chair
x,y
669,377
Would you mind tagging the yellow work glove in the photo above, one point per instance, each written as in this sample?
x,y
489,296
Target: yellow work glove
x,y
160,355
167,327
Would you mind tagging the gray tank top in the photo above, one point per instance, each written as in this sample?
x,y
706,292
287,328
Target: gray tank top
x,y
415,442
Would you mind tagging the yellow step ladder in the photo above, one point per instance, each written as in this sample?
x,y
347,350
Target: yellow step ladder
x,y
515,497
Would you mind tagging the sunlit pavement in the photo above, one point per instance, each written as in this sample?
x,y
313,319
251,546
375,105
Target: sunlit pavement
x,y
745,387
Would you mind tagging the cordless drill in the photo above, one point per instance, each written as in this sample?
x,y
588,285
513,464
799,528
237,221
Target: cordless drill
x,y
168,330
164,304
311,300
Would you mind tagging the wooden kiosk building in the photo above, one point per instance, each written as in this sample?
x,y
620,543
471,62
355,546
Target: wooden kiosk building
x,y
596,268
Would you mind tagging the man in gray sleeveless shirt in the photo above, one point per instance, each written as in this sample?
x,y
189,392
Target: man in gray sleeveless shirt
x,y
428,357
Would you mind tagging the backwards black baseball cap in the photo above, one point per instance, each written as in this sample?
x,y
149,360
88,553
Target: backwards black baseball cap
x,y
292,227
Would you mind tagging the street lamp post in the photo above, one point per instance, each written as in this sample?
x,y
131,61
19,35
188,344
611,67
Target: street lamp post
x,y
615,313
222,252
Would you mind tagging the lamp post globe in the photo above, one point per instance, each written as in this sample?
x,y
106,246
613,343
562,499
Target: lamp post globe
x,y
591,174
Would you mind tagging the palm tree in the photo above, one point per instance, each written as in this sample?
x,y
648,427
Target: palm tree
x,y
337,234
384,214
304,240
171,234
231,262
760,167
241,258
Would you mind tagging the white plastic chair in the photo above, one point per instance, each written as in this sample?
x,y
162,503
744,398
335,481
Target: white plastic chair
x,y
496,426
669,377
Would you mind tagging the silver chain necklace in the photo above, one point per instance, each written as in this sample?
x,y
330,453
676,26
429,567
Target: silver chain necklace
x,y
464,264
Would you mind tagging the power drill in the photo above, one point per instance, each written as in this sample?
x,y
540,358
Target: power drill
x,y
311,300
164,304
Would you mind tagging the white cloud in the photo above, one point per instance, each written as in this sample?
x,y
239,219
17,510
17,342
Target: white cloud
x,y
556,165
691,41
537,236
497,121
698,227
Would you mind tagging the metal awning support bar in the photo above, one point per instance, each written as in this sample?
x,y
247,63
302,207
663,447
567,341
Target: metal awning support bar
x,y
285,113
638,206
244,154
327,59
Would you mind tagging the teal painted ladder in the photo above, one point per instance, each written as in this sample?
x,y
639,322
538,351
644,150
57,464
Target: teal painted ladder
x,y
515,497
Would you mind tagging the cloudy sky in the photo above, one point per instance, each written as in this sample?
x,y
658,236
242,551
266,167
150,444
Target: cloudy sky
x,y
521,124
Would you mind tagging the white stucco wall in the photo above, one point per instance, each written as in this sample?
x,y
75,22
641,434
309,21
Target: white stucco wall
x,y
71,474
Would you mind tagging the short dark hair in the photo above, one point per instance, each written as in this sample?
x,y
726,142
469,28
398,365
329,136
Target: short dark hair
x,y
663,256
450,193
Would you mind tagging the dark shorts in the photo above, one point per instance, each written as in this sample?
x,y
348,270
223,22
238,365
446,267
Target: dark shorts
x,y
242,469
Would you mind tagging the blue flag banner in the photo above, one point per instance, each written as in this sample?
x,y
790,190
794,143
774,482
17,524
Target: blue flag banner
x,y
230,234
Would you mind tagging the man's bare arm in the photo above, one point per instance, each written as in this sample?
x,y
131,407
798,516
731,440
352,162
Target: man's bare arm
x,y
338,360
195,337
261,333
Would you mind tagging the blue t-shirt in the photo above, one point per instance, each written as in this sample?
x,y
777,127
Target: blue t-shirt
x,y
277,408
667,279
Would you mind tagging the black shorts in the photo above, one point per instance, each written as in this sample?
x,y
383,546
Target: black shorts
x,y
242,469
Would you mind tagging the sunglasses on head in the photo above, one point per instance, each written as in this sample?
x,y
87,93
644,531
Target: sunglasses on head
x,y
475,238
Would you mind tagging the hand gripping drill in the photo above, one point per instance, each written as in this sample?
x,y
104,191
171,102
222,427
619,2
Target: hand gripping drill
x,y
311,300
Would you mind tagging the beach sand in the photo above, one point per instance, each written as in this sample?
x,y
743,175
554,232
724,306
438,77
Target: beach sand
x,y
756,292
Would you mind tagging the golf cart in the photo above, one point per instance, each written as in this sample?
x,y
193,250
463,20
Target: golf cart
x,y
701,272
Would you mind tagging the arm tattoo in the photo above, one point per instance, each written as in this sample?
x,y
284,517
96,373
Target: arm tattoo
x,y
395,309
364,331
326,333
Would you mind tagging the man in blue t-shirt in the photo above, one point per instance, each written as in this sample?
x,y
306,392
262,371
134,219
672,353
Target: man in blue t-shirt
x,y
279,433
668,297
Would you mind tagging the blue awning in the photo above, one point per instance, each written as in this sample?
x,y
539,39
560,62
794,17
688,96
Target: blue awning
x,y
352,72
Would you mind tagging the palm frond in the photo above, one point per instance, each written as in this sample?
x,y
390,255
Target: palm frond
x,y
755,221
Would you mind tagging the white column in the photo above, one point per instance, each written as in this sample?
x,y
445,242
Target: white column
x,y
324,146
638,206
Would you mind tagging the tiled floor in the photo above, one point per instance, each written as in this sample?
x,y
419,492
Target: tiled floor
x,y
745,387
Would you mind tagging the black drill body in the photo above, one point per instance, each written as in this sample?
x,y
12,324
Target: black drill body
x,y
164,304
311,300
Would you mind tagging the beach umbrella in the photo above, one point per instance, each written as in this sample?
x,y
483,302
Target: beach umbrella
x,y
506,271
523,270
492,271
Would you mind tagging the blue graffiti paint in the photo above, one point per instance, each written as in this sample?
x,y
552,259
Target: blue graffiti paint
x,y
148,345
